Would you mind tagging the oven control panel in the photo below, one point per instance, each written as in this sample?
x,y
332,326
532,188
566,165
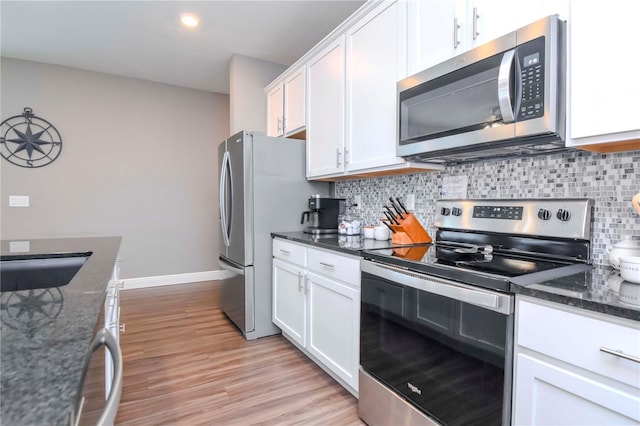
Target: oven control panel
x,y
563,218
498,212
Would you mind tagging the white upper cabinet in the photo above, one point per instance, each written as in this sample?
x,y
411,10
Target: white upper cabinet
x,y
375,62
604,83
294,101
325,110
490,19
275,106
435,32
441,29
286,105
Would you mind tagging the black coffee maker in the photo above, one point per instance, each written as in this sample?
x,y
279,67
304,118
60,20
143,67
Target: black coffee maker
x,y
322,216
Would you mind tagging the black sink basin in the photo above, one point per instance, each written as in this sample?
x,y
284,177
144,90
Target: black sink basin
x,y
30,272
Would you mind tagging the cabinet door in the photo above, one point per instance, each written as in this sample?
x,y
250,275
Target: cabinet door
x,y
547,393
604,84
325,109
375,51
435,31
495,18
289,300
294,101
275,100
334,326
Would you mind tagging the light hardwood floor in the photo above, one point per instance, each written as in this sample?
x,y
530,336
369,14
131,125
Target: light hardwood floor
x,y
185,364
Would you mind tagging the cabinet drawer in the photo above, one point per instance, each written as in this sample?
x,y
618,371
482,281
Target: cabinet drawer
x,y
344,268
577,339
290,252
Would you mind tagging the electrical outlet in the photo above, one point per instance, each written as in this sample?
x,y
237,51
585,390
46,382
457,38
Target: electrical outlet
x,y
357,199
18,201
411,202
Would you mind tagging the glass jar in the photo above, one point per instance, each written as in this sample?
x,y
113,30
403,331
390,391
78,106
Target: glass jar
x,y
349,224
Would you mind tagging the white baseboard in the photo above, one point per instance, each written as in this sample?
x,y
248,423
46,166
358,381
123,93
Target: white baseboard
x,y
191,277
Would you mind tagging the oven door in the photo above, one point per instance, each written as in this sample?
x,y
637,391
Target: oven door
x,y
444,346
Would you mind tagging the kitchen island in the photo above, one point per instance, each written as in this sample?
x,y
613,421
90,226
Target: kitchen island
x,y
46,332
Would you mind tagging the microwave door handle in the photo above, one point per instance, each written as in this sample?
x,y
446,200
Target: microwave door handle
x,y
505,77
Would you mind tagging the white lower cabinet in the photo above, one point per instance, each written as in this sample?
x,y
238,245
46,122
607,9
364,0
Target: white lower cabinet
x,y
563,374
334,326
317,306
290,300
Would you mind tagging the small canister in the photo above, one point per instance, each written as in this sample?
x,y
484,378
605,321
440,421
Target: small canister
x,y
349,224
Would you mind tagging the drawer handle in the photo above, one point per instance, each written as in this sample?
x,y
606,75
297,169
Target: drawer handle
x,y
620,354
328,265
123,328
285,251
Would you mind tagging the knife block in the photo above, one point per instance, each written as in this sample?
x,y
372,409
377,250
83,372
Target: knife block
x,y
401,238
412,229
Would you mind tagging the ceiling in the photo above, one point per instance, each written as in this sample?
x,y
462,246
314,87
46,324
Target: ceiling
x,y
144,39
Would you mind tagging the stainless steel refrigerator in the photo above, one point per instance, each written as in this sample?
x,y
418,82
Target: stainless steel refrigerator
x,y
263,189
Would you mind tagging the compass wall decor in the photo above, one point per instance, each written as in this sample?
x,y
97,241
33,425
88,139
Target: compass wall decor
x,y
29,141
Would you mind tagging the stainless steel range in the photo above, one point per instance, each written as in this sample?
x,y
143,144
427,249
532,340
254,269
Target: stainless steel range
x,y
436,333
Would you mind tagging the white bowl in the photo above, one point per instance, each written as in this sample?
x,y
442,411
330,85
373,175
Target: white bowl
x,y
629,294
625,248
630,268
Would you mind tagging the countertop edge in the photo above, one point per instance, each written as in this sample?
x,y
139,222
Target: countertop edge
x,y
540,290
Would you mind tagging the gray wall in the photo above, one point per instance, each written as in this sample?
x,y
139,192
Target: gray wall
x,y
138,160
610,179
248,102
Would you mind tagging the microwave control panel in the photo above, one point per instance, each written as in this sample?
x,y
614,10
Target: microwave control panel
x,y
531,58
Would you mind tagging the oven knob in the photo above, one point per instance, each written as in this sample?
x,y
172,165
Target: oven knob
x,y
445,211
456,211
563,215
544,214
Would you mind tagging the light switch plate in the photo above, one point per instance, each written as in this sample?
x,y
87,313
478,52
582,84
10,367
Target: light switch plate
x,y
18,246
18,201
357,199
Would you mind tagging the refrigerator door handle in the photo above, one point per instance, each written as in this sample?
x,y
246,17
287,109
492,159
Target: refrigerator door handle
x,y
231,198
222,200
229,267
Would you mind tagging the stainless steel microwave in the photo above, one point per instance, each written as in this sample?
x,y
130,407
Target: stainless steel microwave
x,y
503,98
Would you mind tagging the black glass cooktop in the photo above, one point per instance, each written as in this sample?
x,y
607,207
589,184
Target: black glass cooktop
x,y
480,266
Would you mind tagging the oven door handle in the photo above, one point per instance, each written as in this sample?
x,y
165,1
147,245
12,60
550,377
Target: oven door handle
x,y
498,302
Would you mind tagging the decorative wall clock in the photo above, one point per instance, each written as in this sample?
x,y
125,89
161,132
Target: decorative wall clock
x,y
29,141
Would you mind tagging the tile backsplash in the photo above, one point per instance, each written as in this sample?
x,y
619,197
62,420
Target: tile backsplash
x,y
610,179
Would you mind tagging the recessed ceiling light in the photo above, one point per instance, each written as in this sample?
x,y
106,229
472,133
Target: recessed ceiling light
x,y
189,20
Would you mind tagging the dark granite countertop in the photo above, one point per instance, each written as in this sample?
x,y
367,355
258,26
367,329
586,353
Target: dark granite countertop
x,y
349,244
599,289
46,332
